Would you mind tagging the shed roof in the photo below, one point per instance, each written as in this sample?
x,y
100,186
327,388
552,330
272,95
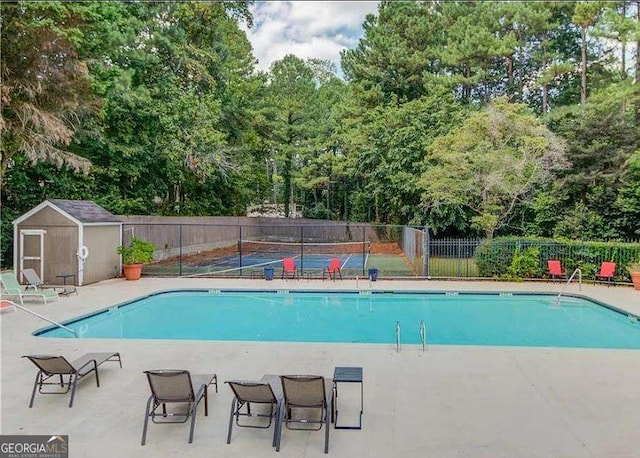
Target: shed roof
x,y
85,211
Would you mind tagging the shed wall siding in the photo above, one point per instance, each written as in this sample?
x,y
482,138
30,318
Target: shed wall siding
x,y
103,261
60,247
47,217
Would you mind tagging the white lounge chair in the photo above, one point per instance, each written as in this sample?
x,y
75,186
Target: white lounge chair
x,y
13,288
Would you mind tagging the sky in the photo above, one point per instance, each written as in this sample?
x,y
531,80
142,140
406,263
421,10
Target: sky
x,y
307,29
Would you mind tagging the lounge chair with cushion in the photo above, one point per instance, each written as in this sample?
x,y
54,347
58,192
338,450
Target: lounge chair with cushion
x,y
555,269
333,269
607,272
267,391
50,365
289,267
305,403
13,288
180,388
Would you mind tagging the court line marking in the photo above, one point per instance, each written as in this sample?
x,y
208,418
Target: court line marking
x,y
235,268
346,261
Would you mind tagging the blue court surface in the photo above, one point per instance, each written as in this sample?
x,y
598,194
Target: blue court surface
x,y
303,262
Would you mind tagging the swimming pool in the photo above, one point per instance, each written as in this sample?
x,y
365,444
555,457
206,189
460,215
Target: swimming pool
x,y
510,319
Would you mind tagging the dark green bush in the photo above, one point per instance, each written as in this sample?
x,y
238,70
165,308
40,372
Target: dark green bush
x,y
512,257
525,264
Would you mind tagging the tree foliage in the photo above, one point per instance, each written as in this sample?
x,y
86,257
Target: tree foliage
x,y
45,85
491,163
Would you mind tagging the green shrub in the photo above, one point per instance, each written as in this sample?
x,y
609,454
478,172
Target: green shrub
x,y
493,259
525,264
138,252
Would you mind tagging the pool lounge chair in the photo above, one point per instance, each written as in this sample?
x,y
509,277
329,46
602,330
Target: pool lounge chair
x,y
334,268
176,387
50,365
607,272
38,285
289,267
555,269
304,394
13,288
266,391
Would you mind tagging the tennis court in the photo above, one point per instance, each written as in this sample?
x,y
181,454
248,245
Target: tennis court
x,y
256,255
250,258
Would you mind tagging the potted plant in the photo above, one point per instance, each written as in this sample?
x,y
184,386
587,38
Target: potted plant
x,y
134,256
634,270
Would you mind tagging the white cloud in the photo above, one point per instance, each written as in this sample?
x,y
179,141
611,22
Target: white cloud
x,y
318,29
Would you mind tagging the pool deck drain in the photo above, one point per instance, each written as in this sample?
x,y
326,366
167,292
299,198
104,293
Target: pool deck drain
x,y
452,401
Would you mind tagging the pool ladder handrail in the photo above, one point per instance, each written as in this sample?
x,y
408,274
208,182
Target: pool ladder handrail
x,y
397,337
59,325
423,335
564,289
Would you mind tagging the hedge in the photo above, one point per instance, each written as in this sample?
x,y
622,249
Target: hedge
x,y
515,258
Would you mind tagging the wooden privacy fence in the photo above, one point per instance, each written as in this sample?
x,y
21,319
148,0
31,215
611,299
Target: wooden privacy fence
x,y
174,236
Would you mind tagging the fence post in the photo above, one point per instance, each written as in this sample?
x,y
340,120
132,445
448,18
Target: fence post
x,y
459,258
301,251
364,255
180,251
426,250
240,247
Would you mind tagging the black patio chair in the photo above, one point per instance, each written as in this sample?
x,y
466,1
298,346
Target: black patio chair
x,y
305,403
51,365
176,387
266,391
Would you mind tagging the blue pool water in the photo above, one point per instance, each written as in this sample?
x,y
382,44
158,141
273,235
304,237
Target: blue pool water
x,y
456,319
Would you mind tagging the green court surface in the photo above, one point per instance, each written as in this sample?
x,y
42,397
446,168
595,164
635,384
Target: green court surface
x,y
390,265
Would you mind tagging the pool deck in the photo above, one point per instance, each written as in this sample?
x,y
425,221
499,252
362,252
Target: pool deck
x,y
450,401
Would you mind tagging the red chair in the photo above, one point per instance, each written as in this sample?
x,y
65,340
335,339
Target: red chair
x,y
289,267
334,268
7,306
555,269
607,272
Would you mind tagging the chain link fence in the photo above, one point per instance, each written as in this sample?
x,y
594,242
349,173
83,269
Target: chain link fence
x,y
248,247
196,247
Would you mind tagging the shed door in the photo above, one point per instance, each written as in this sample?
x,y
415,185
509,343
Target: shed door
x,y
32,251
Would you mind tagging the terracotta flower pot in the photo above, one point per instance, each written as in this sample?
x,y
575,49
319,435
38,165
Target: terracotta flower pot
x,y
132,271
635,276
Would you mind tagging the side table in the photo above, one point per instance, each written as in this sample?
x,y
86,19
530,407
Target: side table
x,y
346,375
66,291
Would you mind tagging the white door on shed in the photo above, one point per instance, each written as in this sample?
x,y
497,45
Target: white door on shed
x,y
32,250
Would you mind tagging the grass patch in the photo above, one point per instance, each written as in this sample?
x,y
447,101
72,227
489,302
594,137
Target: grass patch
x,y
452,267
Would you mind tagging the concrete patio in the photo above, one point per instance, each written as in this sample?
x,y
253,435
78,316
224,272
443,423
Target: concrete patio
x,y
451,401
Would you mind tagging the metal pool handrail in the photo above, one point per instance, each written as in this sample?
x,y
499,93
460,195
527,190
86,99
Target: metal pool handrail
x,y
423,335
397,336
577,271
75,334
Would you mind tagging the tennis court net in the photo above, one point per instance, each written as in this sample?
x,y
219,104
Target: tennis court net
x,y
285,249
